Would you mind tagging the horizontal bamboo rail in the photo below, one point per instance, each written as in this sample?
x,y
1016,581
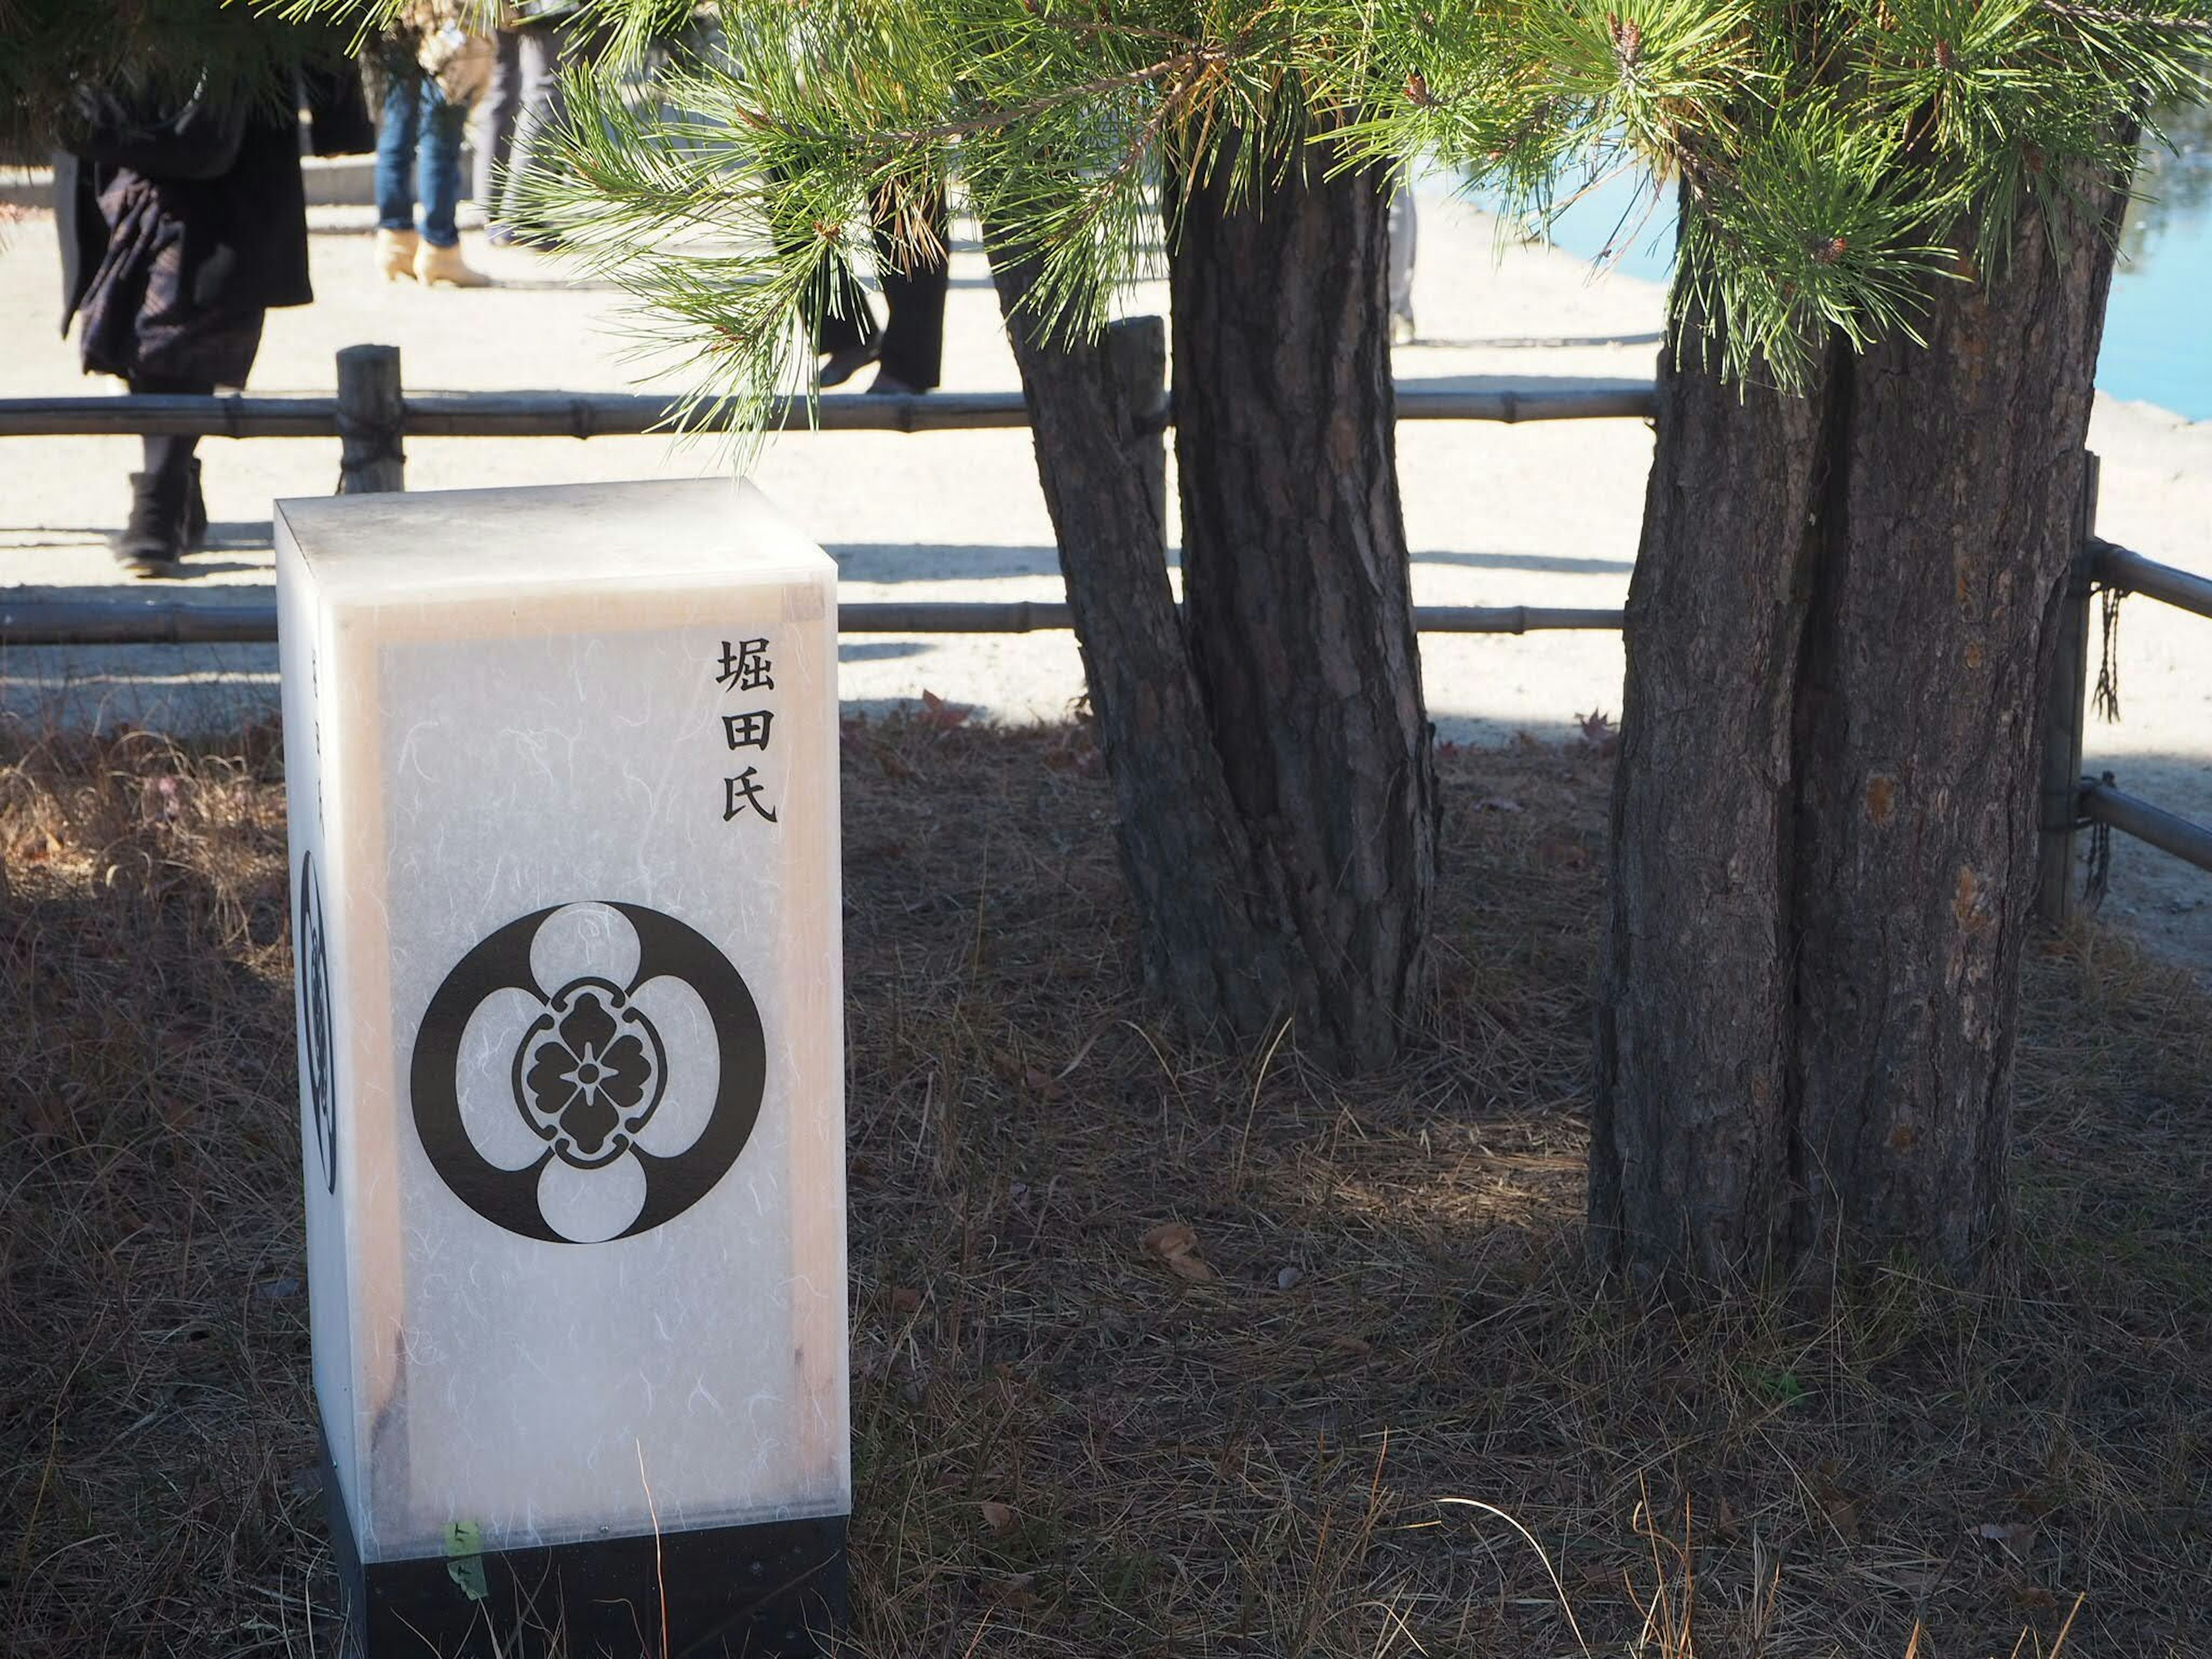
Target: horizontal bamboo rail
x,y
371,414
2070,801
609,414
2131,815
2130,572
165,622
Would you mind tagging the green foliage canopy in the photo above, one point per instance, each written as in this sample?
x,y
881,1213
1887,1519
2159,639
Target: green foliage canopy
x,y
1833,159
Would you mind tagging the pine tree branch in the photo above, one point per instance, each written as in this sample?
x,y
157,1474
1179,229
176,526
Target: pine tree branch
x,y
1197,58
2106,15
1113,31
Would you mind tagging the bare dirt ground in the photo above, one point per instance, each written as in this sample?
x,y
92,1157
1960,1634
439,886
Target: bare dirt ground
x,y
1276,1442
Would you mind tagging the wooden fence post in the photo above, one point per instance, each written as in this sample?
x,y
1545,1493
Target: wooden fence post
x,y
2063,712
1137,356
372,416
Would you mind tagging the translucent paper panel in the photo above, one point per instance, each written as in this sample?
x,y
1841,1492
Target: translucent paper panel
x,y
581,1262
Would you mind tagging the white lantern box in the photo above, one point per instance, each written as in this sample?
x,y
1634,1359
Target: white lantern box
x,y
563,775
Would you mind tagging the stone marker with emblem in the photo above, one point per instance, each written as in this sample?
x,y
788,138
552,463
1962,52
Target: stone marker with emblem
x,y
562,773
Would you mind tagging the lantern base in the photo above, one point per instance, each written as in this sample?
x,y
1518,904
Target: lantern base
x,y
770,1591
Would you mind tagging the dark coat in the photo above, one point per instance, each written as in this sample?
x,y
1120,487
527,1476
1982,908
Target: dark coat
x,y
249,247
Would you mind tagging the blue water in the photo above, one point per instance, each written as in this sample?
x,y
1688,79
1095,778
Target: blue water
x,y
2158,330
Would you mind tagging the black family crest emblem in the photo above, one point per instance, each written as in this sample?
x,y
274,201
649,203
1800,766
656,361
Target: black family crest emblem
x,y
588,1073
311,964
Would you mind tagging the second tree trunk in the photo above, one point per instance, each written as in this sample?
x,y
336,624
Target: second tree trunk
x,y
1296,594
1269,745
1824,823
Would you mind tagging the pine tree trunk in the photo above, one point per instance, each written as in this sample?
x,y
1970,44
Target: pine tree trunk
x,y
1213,946
1298,608
1270,752
1823,849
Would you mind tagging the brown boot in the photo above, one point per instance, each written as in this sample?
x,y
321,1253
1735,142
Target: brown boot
x,y
396,253
436,266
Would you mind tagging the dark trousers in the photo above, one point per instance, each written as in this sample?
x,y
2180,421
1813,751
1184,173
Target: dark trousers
x,y
168,453
520,111
911,345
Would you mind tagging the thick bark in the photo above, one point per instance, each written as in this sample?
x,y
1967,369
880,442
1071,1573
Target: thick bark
x,y
1296,583
1270,752
1210,940
1823,850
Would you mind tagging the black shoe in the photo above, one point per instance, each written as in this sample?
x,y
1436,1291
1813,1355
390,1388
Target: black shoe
x,y
152,542
195,519
888,385
536,237
841,364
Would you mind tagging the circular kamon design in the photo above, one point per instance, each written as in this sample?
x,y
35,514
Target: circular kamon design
x,y
588,1073
318,1047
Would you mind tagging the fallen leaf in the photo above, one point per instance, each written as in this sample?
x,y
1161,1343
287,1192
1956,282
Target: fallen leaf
x,y
936,711
1039,1084
1287,1277
2017,1536
999,1517
905,1299
1567,854
1171,1238
1842,1515
2033,1595
1175,1244
1355,1347
1499,804
464,1559
1724,1521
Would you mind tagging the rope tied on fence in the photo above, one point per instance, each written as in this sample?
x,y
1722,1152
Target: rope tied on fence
x,y
2107,698
2096,875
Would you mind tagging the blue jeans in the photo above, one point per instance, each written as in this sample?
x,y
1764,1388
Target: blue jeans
x,y
422,129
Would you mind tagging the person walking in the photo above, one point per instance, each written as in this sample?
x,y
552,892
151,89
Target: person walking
x,y
908,350
1403,230
491,128
180,230
521,109
433,69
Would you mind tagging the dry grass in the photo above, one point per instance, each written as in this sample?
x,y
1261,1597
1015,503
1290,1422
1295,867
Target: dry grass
x,y
1067,1442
